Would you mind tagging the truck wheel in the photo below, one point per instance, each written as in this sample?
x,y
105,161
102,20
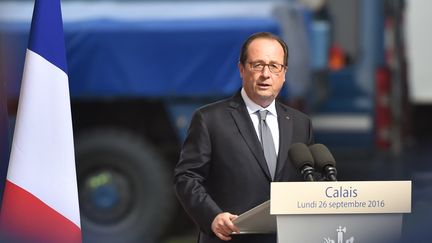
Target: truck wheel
x,y
124,188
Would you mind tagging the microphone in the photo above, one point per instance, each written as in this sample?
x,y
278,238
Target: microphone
x,y
302,160
324,160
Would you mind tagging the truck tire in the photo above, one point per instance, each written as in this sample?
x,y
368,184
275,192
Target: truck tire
x,y
124,188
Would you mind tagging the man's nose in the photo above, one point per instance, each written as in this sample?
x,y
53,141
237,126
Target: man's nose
x,y
266,71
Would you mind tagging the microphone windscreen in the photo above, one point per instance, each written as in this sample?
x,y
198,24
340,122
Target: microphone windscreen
x,y
300,155
322,156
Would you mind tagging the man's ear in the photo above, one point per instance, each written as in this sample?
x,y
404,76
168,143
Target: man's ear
x,y
241,68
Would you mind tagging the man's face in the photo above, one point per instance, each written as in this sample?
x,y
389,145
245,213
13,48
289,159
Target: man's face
x,y
262,87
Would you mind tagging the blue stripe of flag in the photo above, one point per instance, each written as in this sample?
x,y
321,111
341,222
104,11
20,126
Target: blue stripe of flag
x,y
46,37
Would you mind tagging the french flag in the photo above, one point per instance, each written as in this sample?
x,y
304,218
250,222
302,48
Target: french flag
x,y
40,202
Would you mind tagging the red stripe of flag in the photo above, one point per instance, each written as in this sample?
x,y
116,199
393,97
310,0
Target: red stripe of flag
x,y
25,218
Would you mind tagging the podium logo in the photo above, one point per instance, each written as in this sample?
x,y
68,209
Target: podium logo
x,y
340,237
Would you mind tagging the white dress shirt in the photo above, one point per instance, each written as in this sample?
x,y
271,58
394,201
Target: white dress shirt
x,y
271,119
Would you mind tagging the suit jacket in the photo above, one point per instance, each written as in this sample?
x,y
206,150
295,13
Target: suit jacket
x,y
222,167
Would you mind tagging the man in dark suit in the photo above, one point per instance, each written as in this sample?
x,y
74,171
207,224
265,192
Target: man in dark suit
x,y
222,171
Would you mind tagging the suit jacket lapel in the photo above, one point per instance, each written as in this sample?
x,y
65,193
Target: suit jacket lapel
x,y
285,132
245,126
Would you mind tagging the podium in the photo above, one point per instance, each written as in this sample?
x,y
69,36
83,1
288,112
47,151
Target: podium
x,y
331,212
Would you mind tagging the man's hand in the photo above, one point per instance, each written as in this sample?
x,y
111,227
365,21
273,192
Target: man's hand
x,y
223,227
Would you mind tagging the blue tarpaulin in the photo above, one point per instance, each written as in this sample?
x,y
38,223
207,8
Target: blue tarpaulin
x,y
158,58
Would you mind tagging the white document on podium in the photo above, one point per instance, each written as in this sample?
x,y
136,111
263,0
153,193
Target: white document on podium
x,y
257,220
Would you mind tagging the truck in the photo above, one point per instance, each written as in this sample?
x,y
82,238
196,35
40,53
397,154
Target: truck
x,y
138,70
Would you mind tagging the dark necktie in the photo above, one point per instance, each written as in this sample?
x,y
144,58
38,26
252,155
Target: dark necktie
x,y
267,142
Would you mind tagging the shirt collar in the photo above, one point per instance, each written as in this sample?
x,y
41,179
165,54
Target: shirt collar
x,y
252,107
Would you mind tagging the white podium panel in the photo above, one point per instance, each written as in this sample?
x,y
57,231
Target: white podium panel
x,y
359,228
